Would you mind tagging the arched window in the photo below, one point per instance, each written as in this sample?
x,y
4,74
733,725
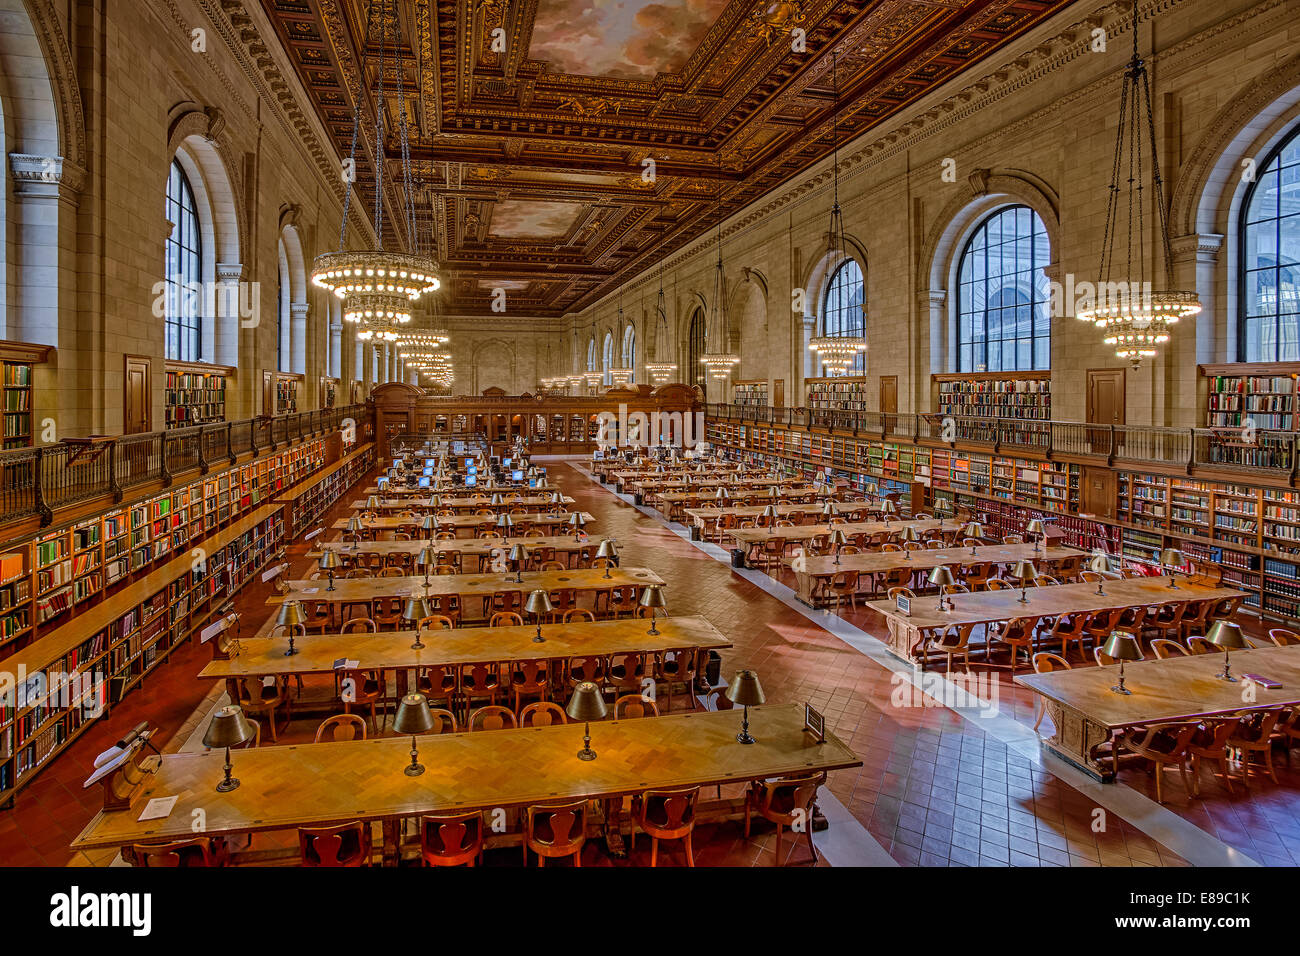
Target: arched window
x,y
629,351
1269,320
184,270
591,354
696,345
607,358
842,308
1003,297
283,322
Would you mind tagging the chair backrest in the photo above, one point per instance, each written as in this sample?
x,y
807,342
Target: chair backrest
x,y
789,798
1203,645
492,717
998,584
893,593
578,614
1102,658
631,706
552,566
542,713
1283,637
195,852
342,727
347,844
505,619
436,622
363,625
670,810
1090,577
1166,648
445,721
1045,663
452,838
559,827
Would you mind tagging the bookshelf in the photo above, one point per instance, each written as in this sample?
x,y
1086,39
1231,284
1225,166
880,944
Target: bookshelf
x,y
287,391
17,367
195,394
840,394
1022,395
135,591
307,501
1239,394
750,394
329,391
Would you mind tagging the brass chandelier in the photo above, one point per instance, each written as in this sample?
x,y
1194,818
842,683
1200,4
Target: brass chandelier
x,y
718,364
836,352
1133,318
621,375
378,285
661,372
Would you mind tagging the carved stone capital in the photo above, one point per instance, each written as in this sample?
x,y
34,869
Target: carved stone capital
x,y
50,177
1198,247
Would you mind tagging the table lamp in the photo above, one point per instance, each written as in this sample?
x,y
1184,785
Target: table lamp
x,y
1122,647
887,509
838,539
828,510
538,604
908,535
769,512
973,530
652,596
586,705
1172,558
504,524
413,718
746,691
720,494
1226,634
1024,572
941,509
228,728
329,560
416,610
1036,528
355,527
607,550
291,615
940,577
435,501
1101,564
429,525
576,522
427,558
519,555
373,503
497,499
557,498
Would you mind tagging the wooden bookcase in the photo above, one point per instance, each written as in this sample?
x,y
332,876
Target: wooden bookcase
x,y
195,394
134,591
329,391
750,394
1239,394
287,393
17,368
1023,395
846,393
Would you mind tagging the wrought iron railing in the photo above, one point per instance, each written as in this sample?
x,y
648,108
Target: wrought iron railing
x,y
36,481
1257,455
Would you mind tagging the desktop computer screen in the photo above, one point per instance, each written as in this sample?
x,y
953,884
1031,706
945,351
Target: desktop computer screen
x,y
471,481
505,462
516,475
469,463
533,482
424,481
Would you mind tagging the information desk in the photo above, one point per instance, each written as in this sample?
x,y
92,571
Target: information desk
x,y
1085,712
332,783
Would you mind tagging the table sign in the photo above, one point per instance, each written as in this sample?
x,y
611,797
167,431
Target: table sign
x,y
904,604
159,808
1265,682
814,723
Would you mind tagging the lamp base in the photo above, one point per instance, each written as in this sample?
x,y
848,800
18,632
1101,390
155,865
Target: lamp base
x,y
225,786
1226,675
586,754
291,651
419,645
745,737
1121,689
415,770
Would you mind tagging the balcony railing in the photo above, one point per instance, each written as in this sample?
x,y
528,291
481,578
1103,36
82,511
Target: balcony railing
x,y
1257,455
36,481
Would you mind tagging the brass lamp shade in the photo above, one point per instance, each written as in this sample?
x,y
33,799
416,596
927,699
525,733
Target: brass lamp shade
x,y
539,602
1035,527
586,703
887,507
427,557
908,534
497,499
972,529
373,503
576,520
1122,647
417,609
721,494
518,553
828,510
940,576
1024,570
355,524
556,497
329,560
505,521
1226,634
769,511
228,728
606,549
291,614
429,523
436,501
413,715
838,537
1100,563
1171,558
652,596
746,690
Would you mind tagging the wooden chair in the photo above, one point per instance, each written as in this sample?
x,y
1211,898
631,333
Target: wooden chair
x,y
387,613
1067,629
1102,658
633,706
577,614
951,641
1046,663
665,815
1196,618
530,679
492,717
445,721
579,669
1166,649
627,672
786,802
199,851
677,667
1203,645
1282,637
453,840
542,713
556,831
843,586
439,683
1017,634
256,698
478,682
1165,745
506,619
1210,742
348,844
342,727
1253,734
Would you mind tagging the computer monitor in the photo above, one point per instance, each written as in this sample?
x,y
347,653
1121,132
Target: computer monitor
x,y
428,471
397,463
516,475
471,481
424,481
471,469
469,463
430,462
533,482
505,462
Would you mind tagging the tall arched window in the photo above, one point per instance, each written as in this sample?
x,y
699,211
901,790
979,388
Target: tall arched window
x,y
283,321
1269,319
591,354
184,270
607,358
842,308
629,351
696,345
1003,296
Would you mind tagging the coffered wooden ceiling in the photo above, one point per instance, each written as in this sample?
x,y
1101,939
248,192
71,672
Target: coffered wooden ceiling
x,y
528,152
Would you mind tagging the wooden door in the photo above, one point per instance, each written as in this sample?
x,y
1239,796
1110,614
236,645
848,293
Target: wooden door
x,y
268,393
137,407
778,393
1105,404
888,399
1098,492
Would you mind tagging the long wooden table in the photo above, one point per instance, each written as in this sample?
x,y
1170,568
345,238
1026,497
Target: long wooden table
x,y
463,505
336,782
1085,711
459,522
748,538
475,548
823,567
853,510
908,632
450,487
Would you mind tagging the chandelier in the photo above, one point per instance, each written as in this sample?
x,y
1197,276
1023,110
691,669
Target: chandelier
x,y
1131,315
377,285
661,372
622,374
836,352
718,365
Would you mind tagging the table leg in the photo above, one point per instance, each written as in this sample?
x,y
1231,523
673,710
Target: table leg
x,y
613,835
391,829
